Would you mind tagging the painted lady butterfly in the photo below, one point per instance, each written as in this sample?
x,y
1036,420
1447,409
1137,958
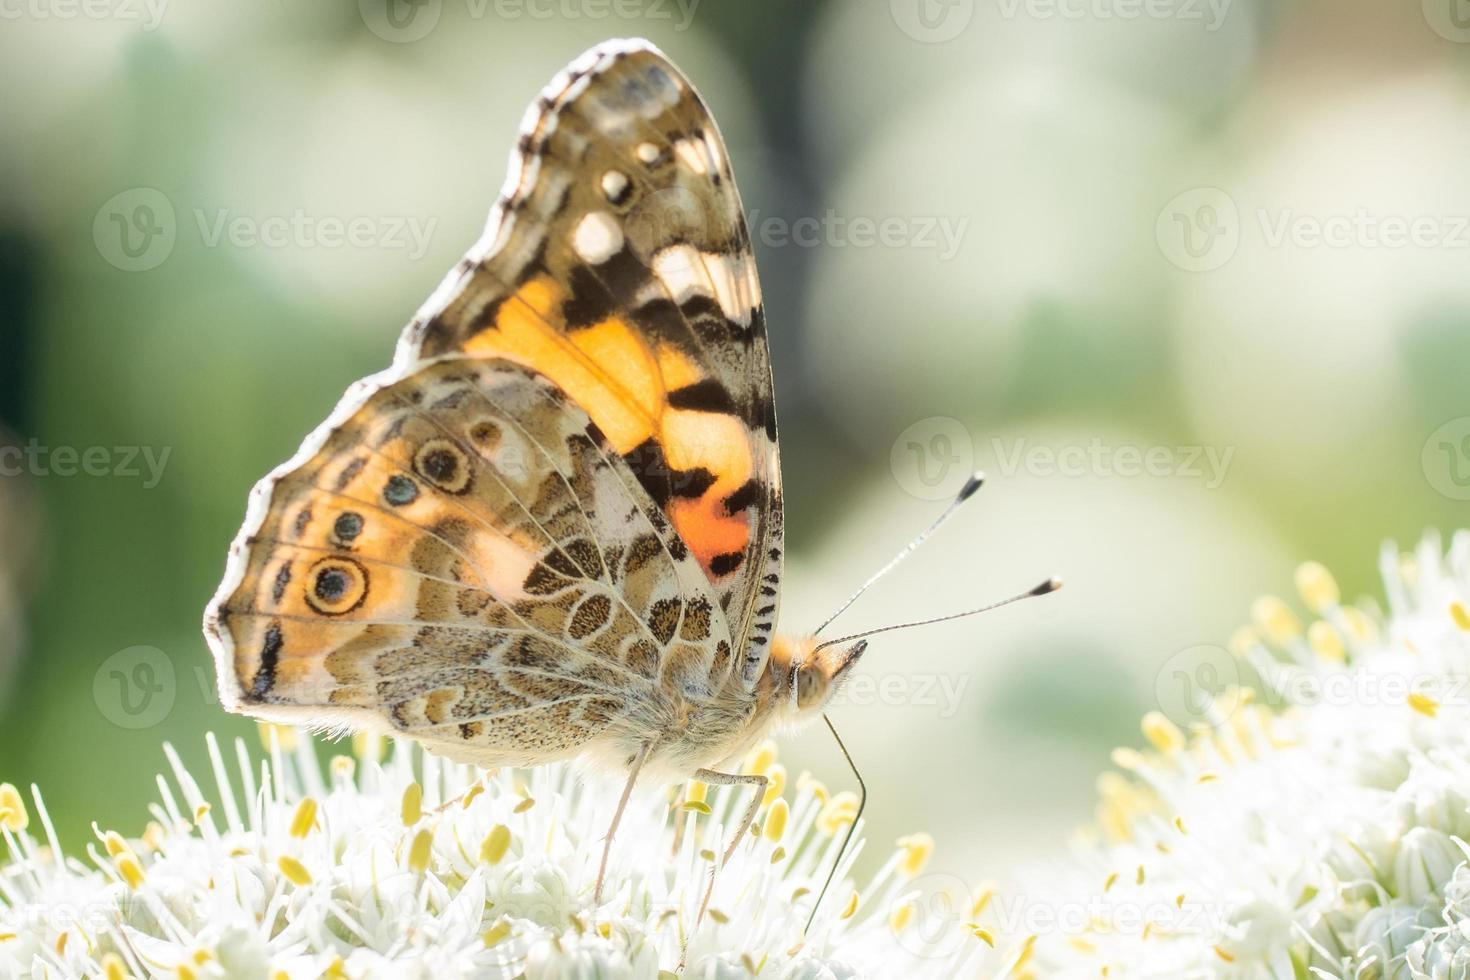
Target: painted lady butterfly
x,y
553,527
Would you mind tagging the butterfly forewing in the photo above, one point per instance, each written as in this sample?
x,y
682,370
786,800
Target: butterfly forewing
x,y
556,522
622,270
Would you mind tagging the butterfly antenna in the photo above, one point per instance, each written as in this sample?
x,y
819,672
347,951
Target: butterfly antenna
x,y
851,827
966,492
1050,585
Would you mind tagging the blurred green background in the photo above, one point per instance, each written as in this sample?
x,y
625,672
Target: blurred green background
x,y
1189,279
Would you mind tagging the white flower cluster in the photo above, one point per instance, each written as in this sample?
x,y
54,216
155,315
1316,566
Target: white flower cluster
x,y
1312,826
419,868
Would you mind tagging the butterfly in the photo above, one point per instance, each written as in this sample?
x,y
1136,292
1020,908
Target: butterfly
x,y
553,528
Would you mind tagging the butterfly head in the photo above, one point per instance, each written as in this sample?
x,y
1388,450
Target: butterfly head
x,y
810,673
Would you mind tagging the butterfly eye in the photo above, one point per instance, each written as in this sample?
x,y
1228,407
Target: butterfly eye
x,y
336,586
444,465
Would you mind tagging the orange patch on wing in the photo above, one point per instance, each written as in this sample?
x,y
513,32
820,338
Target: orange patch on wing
x,y
720,444
528,330
622,384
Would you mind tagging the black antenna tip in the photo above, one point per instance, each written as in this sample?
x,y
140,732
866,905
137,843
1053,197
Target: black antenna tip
x,y
976,480
1050,585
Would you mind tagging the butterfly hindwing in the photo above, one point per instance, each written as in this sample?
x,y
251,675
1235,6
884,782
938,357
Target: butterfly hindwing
x,y
620,267
459,555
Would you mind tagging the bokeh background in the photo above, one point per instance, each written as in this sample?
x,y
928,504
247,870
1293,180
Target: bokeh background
x,y
1189,278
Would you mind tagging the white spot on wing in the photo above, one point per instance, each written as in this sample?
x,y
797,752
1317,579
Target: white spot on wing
x,y
648,153
614,184
687,272
597,238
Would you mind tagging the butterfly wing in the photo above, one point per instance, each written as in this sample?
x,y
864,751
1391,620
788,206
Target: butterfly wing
x,y
618,264
457,554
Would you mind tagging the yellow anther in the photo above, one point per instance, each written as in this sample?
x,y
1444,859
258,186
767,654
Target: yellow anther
x,y
495,844
285,735
293,869
367,746
1127,759
806,782
1326,642
775,827
421,850
1424,704
1317,586
343,767
1223,955
1163,733
1109,882
130,868
838,812
850,909
476,788
1460,615
412,809
776,775
697,806
984,936
1275,620
984,893
13,809
778,855
202,956
304,818
1179,825
1243,641
113,967
696,792
1139,878
185,972
901,917
1206,777
761,758
200,812
524,805
1360,625
915,851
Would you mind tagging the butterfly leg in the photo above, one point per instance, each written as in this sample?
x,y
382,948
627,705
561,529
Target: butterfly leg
x,y
638,761
730,779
